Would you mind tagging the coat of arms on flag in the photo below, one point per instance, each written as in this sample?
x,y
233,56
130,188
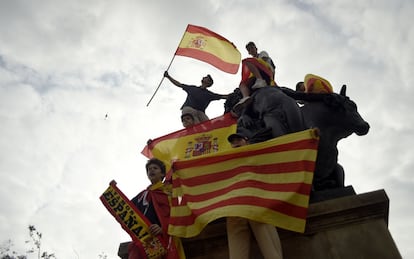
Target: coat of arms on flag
x,y
268,182
205,45
201,139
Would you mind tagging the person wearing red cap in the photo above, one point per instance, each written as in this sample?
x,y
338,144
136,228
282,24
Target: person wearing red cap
x,y
198,97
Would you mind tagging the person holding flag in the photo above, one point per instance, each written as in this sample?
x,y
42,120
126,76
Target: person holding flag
x,y
252,50
154,203
198,97
205,45
257,72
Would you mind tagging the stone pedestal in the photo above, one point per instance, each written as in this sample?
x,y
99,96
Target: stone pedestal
x,y
354,226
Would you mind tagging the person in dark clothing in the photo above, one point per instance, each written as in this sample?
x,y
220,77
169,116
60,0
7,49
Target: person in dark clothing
x,y
198,97
154,203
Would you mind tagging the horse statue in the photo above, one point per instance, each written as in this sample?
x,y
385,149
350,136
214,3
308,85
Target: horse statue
x,y
275,111
271,114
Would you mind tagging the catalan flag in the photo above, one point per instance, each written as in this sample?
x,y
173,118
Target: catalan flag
x,y
268,182
205,45
201,139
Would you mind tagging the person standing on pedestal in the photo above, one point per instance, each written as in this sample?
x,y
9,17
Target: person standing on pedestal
x,y
240,230
198,97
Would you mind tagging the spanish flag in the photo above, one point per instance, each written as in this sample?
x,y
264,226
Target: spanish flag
x,y
205,45
201,139
268,182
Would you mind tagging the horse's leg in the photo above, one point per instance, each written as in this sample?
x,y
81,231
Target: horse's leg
x,y
339,175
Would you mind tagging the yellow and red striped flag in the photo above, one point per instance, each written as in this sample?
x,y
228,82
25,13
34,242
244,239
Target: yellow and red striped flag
x,y
268,182
205,45
201,139
317,84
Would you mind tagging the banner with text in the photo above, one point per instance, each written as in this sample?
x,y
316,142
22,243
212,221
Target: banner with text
x,y
133,222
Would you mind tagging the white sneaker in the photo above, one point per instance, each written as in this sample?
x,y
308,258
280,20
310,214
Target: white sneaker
x,y
259,83
238,107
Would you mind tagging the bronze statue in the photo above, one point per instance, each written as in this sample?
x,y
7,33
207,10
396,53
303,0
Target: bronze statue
x,y
274,112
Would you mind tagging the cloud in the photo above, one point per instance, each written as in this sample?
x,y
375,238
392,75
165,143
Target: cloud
x,y
65,65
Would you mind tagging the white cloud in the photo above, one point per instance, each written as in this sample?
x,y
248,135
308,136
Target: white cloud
x,y
65,65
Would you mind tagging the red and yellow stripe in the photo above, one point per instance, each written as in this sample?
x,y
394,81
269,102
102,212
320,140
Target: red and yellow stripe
x,y
317,84
268,182
205,45
133,222
210,136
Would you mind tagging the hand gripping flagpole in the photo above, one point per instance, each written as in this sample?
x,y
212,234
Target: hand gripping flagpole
x,y
162,79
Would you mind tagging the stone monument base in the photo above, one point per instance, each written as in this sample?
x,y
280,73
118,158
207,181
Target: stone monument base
x,y
352,226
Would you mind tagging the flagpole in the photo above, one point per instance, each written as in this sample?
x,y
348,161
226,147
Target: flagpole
x,y
162,79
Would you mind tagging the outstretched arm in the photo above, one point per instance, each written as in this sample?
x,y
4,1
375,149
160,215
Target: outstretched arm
x,y
172,80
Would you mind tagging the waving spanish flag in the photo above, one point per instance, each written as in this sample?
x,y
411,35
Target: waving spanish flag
x,y
205,45
268,182
201,139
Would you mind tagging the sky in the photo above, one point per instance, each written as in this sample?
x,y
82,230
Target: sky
x,y
65,65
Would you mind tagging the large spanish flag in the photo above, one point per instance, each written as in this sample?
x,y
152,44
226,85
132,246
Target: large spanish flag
x,y
268,182
205,45
201,139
